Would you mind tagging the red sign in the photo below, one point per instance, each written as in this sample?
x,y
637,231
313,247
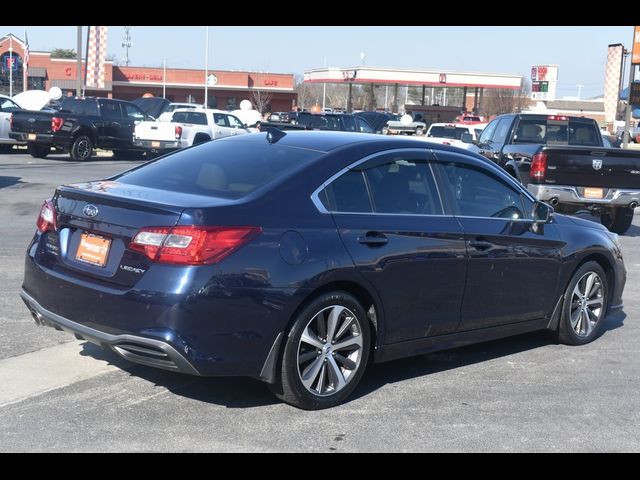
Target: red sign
x,y
271,83
635,53
143,76
11,62
443,78
539,73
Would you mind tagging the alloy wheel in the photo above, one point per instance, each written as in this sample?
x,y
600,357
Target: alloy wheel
x,y
587,304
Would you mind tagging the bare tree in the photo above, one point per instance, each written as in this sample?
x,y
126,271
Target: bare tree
x,y
309,94
499,101
262,100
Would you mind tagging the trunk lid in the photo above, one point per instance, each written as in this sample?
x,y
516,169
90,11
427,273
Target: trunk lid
x,y
110,214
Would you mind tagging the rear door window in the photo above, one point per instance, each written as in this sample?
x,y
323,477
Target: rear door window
x,y
348,193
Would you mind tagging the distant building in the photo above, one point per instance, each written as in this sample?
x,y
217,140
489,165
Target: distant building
x,y
226,88
577,108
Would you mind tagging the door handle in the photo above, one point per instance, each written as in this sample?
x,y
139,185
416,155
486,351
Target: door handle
x,y
373,239
480,244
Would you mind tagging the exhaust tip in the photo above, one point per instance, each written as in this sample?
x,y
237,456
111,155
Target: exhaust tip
x,y
36,317
633,204
554,201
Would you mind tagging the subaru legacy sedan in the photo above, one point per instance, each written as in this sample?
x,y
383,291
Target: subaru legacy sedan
x,y
299,258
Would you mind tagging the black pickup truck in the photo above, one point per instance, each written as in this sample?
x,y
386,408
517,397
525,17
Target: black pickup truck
x,y
563,161
79,126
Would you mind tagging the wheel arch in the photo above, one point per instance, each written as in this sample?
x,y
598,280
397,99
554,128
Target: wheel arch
x,y
606,264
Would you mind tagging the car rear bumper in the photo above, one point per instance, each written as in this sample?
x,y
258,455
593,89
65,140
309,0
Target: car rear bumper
x,y
145,351
38,138
157,144
565,194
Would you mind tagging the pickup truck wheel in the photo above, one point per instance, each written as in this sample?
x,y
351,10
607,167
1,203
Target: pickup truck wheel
x,y
38,151
620,221
419,131
82,148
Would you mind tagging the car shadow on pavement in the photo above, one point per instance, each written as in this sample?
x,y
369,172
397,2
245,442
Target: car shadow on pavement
x,y
379,375
244,392
9,181
634,231
230,392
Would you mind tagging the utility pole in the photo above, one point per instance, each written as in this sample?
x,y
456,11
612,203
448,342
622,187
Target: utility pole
x,y
206,70
79,62
164,78
11,65
579,90
324,86
126,43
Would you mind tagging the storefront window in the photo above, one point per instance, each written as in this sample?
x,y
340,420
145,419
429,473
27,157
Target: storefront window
x,y
212,102
232,103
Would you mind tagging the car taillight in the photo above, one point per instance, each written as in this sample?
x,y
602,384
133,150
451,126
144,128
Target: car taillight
x,y
178,132
47,218
191,245
538,166
56,123
558,118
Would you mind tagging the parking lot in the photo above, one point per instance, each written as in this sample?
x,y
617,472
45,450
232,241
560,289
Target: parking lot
x,y
519,394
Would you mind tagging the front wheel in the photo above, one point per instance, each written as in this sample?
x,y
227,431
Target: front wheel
x,y
325,353
82,148
619,221
585,305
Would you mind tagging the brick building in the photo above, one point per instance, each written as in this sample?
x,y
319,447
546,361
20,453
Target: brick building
x,y
226,88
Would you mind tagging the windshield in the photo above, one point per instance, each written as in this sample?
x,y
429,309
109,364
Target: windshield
x,y
454,133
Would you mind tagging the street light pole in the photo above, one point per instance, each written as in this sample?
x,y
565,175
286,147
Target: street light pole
x,y
164,77
11,66
324,86
579,90
206,71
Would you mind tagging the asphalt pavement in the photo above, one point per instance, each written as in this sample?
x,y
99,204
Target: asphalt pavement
x,y
519,394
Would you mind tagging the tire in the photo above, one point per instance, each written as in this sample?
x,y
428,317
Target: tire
x,y
326,385
38,151
82,148
620,221
572,329
419,131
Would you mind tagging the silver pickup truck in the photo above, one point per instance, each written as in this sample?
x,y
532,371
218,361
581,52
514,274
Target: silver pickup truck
x,y
404,125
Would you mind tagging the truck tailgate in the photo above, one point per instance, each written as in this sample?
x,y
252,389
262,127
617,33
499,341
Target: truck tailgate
x,y
28,121
165,131
593,167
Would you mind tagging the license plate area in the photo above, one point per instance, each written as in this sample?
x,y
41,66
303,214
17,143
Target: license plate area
x,y
155,144
31,136
594,193
93,249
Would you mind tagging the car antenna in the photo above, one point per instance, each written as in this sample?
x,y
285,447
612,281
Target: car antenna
x,y
274,134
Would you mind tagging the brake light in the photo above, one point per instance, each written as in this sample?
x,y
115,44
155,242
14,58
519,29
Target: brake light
x,y
178,132
558,118
446,143
538,166
191,245
56,123
47,218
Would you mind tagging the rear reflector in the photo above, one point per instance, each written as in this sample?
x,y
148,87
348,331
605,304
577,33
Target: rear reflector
x,y
538,166
47,218
191,245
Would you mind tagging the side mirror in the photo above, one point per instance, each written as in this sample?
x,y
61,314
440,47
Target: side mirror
x,y
542,212
466,138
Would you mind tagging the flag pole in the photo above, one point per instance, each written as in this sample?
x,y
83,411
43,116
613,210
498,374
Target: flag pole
x,y
11,65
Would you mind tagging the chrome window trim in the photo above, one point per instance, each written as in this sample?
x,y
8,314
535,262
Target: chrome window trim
x,y
315,196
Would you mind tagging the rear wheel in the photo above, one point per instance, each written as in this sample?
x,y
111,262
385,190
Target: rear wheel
x,y
619,220
82,148
325,353
585,305
38,151
419,131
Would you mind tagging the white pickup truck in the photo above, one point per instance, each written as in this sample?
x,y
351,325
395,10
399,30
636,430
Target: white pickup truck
x,y
187,127
451,134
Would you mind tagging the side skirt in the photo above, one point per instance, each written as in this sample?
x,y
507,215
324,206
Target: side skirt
x,y
454,340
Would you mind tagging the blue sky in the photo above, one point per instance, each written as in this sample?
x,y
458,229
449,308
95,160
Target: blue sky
x,y
580,51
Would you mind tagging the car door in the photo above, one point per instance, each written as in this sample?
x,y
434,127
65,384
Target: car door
x,y
111,126
513,264
236,126
391,221
221,126
7,107
485,144
132,116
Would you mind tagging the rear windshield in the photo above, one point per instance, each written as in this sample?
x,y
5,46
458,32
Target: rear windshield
x,y
80,106
454,133
221,168
557,133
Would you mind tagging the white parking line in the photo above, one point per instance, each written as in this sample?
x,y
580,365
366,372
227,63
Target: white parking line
x,y
35,373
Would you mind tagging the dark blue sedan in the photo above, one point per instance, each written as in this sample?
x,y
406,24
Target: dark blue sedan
x,y
299,258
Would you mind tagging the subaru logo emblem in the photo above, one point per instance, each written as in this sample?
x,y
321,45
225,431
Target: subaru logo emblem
x,y
597,164
90,210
